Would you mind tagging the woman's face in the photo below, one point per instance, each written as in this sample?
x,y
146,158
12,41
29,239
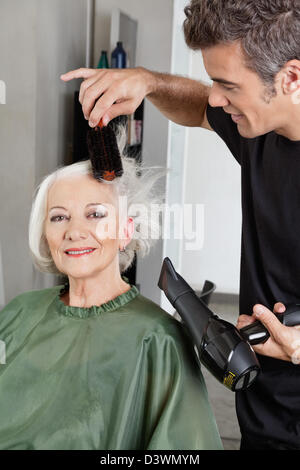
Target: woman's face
x,y
82,226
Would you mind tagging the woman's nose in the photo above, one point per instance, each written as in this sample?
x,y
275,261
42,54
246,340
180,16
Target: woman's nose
x,y
76,231
216,98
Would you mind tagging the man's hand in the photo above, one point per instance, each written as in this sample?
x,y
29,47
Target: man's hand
x,y
108,93
284,341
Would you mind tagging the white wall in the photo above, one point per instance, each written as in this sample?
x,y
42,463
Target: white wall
x,y
177,154
213,179
154,49
40,39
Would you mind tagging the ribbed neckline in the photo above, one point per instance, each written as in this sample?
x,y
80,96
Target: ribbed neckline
x,y
95,310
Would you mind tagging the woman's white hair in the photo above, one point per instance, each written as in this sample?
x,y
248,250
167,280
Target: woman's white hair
x,y
137,184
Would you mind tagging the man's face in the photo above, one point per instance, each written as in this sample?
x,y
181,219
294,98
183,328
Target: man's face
x,y
241,92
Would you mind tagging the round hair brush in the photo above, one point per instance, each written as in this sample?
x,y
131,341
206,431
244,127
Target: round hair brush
x,y
104,153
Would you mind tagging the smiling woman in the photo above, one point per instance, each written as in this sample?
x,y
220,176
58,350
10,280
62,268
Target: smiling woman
x,y
83,238
100,366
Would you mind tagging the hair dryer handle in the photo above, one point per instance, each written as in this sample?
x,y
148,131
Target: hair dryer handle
x,y
257,333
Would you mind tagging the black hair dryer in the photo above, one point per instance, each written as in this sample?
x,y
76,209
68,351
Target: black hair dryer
x,y
221,347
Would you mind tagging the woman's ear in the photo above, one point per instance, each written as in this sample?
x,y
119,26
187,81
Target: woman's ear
x,y
127,234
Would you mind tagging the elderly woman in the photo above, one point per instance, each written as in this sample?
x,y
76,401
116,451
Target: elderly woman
x,y
93,364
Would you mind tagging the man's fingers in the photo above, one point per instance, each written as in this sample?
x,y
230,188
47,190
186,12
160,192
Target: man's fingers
x,y
120,109
97,98
245,320
107,114
269,320
85,85
279,307
78,73
107,108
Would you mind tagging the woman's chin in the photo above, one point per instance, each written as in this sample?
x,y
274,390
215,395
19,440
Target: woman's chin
x,y
79,268
80,273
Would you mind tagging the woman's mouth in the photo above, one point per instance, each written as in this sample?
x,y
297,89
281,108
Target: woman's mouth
x,y
75,253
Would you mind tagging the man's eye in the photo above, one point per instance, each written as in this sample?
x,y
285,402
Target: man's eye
x,y
228,88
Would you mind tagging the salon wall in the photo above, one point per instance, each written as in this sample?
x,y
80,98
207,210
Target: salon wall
x,y
40,39
17,137
154,51
213,179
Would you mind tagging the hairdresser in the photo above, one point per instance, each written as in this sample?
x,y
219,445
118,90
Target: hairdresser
x,y
251,52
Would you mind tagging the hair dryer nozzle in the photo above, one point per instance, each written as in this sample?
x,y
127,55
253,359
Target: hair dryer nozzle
x,y
171,283
194,313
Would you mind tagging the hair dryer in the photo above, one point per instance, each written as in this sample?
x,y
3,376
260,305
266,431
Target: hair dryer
x,y
223,349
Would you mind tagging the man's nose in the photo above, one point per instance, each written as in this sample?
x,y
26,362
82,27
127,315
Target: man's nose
x,y
216,98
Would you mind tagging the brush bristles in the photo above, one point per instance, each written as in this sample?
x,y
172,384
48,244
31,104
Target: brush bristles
x,y
104,153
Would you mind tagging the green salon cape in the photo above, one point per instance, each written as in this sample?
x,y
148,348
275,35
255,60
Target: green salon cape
x,y
120,376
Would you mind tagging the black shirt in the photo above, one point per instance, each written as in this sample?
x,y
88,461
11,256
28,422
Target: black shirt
x,y
269,270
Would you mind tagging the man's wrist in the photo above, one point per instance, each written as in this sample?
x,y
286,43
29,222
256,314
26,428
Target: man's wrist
x,y
153,81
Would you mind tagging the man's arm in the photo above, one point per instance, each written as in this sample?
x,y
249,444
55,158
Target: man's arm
x,y
108,93
182,100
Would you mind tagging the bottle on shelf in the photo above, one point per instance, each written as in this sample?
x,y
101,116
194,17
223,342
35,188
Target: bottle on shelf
x,y
118,57
103,61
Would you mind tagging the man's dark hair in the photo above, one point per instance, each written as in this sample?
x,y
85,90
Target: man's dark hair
x,y
268,30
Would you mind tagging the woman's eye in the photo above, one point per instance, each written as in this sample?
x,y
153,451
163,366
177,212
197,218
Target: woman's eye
x,y
97,215
57,218
94,215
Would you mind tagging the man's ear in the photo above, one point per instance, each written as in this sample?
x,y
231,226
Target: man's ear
x,y
291,77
